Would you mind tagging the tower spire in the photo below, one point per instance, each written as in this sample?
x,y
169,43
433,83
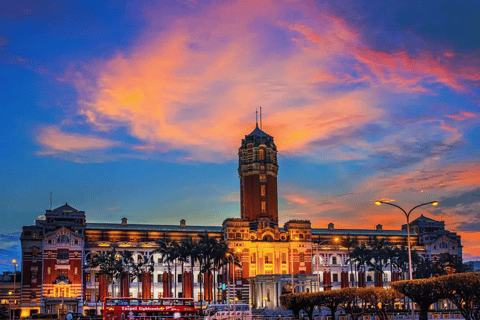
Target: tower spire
x,y
261,127
256,117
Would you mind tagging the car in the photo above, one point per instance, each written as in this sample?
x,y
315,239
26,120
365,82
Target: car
x,y
76,316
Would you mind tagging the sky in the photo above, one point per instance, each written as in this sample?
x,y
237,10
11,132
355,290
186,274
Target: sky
x,y
138,108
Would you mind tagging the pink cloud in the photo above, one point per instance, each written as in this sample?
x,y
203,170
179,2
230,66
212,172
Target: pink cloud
x,y
462,115
56,141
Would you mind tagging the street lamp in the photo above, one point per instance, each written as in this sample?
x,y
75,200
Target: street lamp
x,y
318,260
229,255
433,203
10,301
15,264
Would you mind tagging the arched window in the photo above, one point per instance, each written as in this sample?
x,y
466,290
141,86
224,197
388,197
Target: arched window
x,y
63,239
268,294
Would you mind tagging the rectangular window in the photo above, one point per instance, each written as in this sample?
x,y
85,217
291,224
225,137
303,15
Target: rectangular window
x,y
264,207
62,254
269,258
159,277
180,295
88,277
219,295
263,190
160,260
62,273
219,278
34,295
238,274
334,260
253,258
89,296
335,277
76,270
284,258
263,177
302,257
131,295
180,278
49,270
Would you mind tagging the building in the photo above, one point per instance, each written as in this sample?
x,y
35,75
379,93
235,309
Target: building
x,y
10,294
56,249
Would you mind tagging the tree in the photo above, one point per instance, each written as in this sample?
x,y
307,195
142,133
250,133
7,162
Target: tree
x,y
288,302
349,302
110,265
330,299
377,259
360,255
424,292
349,243
165,250
463,289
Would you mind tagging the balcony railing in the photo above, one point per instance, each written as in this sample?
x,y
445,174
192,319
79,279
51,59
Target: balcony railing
x,y
63,261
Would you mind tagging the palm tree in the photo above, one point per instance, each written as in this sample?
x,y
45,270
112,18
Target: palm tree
x,y
184,252
377,258
221,248
349,243
391,254
360,255
165,249
110,265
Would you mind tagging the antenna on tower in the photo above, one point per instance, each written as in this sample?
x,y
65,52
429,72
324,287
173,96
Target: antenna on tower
x,y
50,200
261,127
256,117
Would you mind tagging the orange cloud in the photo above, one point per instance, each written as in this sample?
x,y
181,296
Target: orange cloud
x,y
454,177
54,141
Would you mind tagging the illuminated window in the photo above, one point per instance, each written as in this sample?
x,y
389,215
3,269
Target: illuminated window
x,y
263,177
219,295
262,168
263,190
35,235
284,258
268,258
160,295
253,258
49,270
200,296
88,277
261,154
159,277
238,274
89,296
264,207
302,257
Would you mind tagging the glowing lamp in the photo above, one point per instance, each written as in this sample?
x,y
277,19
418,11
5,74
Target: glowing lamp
x,y
435,203
378,203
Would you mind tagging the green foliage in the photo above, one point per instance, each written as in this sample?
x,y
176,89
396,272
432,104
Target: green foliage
x,y
463,289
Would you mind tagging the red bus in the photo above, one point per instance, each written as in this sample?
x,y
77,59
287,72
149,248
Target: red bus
x,y
148,309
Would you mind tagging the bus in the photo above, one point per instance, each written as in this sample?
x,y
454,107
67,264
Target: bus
x,y
224,312
148,309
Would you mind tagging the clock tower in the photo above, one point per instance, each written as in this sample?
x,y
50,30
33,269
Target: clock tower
x,y
258,170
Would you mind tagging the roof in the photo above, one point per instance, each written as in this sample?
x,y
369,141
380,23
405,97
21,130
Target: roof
x,y
152,227
258,133
422,218
359,232
66,207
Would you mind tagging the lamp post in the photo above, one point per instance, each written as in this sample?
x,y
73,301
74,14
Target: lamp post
x,y
410,271
14,287
318,260
10,301
229,255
